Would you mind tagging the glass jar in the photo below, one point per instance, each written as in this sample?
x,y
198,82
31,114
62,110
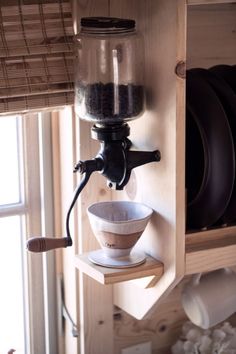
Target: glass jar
x,y
109,71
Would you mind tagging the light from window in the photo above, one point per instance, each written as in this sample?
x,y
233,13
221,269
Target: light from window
x,y
11,294
12,323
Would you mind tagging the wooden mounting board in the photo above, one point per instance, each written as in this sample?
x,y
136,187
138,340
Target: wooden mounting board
x,y
159,185
113,275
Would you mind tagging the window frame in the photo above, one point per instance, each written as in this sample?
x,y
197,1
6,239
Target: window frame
x,y
36,210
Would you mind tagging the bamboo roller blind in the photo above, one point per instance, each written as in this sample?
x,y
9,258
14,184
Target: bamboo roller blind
x,y
36,54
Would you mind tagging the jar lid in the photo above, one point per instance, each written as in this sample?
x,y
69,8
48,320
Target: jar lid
x,y
107,22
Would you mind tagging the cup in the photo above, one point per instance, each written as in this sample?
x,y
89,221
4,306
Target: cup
x,y
210,298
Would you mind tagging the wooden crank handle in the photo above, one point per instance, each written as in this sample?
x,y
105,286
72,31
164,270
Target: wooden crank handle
x,y
43,244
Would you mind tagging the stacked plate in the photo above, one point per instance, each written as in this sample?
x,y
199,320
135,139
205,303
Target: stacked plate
x,y
211,146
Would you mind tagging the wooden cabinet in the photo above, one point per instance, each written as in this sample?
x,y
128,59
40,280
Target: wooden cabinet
x,y
199,33
210,41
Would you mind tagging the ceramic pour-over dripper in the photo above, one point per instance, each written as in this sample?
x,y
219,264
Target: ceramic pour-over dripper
x,y
118,225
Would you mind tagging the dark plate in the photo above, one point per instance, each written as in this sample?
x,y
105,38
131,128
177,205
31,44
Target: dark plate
x,y
195,152
214,194
226,72
227,98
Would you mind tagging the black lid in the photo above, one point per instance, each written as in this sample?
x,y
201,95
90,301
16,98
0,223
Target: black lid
x,y
107,22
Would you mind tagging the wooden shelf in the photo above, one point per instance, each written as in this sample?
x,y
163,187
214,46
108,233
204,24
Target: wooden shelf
x,y
211,249
111,275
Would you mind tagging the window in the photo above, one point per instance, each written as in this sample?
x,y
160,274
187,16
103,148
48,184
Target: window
x,y
26,208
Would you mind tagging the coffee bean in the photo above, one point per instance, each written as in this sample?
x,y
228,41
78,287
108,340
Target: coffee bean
x,y
107,101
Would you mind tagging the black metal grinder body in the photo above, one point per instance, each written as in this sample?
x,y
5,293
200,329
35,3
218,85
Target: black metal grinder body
x,y
115,160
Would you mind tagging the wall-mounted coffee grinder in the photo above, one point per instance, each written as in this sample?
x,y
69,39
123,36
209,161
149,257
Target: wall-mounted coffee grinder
x,y
109,91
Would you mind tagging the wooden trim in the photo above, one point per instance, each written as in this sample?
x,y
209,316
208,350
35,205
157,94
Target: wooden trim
x,y
209,250
210,239
34,227
209,2
47,221
56,166
180,136
210,259
67,160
